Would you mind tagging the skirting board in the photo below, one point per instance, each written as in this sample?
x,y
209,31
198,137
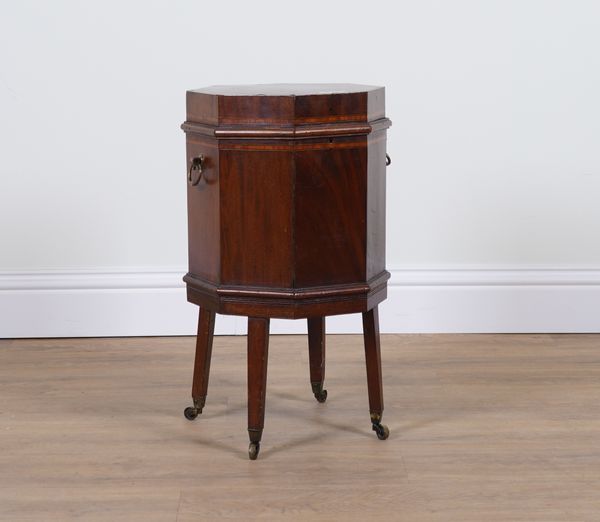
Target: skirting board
x,y
148,302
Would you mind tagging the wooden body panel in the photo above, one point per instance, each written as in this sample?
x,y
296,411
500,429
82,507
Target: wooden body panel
x,y
330,207
375,212
256,222
203,211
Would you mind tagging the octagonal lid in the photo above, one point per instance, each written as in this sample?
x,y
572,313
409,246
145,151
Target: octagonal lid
x,y
285,104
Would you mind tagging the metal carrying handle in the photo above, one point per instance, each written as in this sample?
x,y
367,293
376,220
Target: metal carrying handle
x,y
195,172
388,160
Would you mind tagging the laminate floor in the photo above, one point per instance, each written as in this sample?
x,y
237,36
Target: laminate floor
x,y
483,428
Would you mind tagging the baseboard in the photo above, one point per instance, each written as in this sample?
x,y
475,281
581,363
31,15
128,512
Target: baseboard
x,y
98,303
138,301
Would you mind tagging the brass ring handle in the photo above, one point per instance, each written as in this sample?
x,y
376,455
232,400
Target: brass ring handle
x,y
388,160
195,172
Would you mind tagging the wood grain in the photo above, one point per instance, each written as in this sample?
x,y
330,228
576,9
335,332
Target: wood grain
x,y
372,342
375,215
204,344
331,209
258,356
317,349
285,104
483,428
256,222
203,211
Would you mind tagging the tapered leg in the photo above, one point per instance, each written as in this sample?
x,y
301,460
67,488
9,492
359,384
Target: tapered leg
x,y
316,355
204,342
258,352
374,381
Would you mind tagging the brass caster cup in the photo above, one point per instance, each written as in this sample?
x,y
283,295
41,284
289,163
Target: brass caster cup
x,y
253,450
321,396
381,430
190,413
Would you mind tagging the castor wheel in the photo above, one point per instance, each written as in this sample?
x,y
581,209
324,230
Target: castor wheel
x,y
318,391
321,396
253,450
190,413
381,430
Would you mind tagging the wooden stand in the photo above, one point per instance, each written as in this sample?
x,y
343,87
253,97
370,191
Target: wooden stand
x,y
286,218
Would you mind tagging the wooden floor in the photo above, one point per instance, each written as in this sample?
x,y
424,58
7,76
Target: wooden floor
x,y
483,428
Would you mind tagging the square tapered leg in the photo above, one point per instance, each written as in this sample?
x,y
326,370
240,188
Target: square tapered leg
x,y
204,342
316,355
258,353
374,380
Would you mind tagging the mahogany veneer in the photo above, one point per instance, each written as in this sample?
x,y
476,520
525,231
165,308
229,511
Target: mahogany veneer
x,y
286,218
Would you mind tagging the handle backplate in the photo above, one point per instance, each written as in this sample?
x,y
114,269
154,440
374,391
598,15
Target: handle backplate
x,y
195,172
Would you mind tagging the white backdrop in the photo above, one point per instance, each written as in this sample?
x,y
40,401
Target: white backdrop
x,y
493,214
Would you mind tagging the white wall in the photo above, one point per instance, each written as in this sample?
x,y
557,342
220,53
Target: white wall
x,y
494,189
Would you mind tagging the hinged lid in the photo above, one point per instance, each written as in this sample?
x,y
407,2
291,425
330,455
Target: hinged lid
x,y
284,110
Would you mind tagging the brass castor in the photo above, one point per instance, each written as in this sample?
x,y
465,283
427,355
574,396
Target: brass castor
x,y
318,391
321,396
190,413
381,430
253,450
